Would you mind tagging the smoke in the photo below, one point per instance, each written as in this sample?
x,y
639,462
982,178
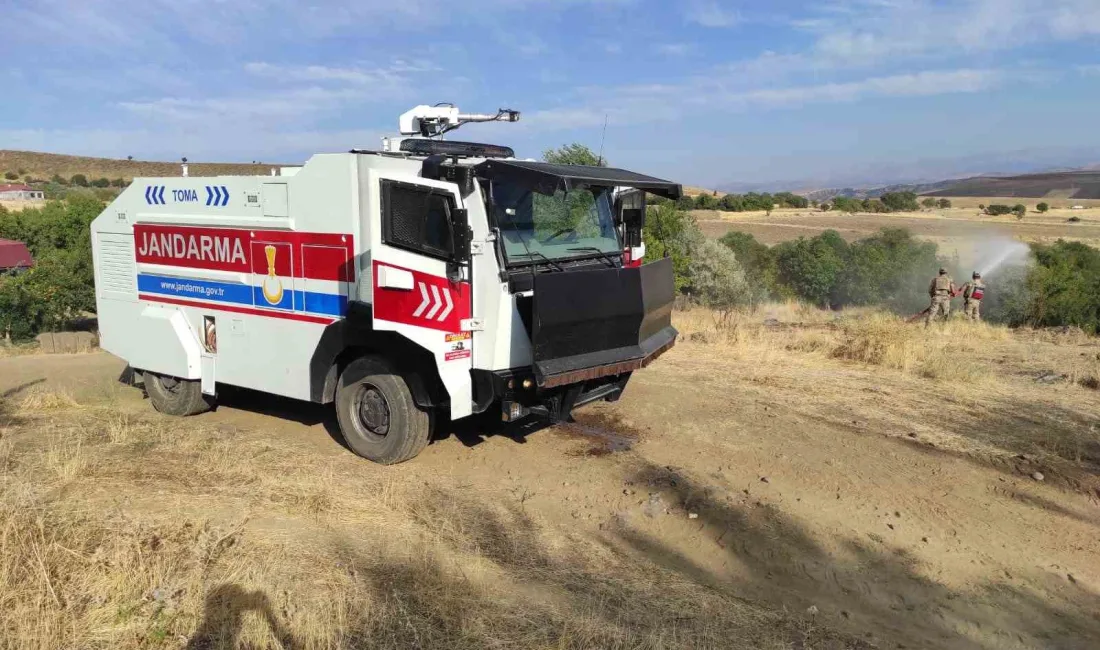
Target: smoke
x,y
1004,263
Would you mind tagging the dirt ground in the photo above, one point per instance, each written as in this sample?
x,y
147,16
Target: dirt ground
x,y
801,484
942,226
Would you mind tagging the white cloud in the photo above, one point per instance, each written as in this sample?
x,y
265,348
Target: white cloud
x,y
700,97
709,13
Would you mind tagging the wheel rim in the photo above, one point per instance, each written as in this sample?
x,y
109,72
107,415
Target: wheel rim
x,y
372,411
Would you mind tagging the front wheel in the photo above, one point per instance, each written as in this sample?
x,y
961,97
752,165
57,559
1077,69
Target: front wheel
x,y
173,396
377,414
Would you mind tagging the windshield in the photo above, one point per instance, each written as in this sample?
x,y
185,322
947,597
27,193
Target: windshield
x,y
537,227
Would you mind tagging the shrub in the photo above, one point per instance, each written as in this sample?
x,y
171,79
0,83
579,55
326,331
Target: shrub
x,y
570,154
997,210
706,202
672,233
900,201
981,206
101,182
928,203
943,204
715,277
875,206
1020,210
79,180
11,176
118,182
1073,220
1062,288
756,259
685,203
1042,207
847,204
61,285
810,268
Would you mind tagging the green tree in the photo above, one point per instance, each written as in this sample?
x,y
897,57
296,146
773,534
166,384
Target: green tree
x,y
79,180
685,202
928,203
670,232
101,182
1042,207
811,268
847,204
997,210
900,201
573,154
1020,210
11,176
944,204
706,202
756,260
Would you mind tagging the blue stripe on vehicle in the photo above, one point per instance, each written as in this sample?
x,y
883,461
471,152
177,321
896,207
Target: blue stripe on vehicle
x,y
242,294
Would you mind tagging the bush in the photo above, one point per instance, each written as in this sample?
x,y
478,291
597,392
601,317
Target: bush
x,y
757,261
79,180
706,202
101,182
570,154
997,210
1063,288
118,182
875,206
900,201
672,233
981,206
890,268
11,176
943,204
810,268
685,203
1042,207
928,203
847,204
1020,210
61,285
1073,220
716,279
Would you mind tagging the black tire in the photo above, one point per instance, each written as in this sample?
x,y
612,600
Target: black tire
x,y
173,396
377,414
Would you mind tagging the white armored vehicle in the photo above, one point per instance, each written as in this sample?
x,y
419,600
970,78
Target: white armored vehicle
x,y
433,278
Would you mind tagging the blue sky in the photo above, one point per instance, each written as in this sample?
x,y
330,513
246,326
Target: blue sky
x,y
704,91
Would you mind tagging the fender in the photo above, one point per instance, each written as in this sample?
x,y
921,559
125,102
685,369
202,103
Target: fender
x,y
169,346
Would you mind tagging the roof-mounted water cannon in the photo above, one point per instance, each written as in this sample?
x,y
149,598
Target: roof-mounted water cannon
x,y
428,121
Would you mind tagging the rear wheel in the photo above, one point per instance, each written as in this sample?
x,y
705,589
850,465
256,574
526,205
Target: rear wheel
x,y
377,414
173,396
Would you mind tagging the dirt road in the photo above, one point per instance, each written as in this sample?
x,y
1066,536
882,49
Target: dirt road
x,y
821,491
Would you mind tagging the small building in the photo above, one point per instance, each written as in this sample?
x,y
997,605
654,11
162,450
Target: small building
x,y
20,193
14,256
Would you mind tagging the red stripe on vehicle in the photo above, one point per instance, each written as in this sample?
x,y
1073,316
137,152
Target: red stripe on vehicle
x,y
238,310
433,302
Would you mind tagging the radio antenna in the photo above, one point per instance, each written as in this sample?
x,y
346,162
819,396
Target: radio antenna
x,y
603,139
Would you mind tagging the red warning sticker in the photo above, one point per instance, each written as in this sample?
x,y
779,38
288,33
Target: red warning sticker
x,y
455,355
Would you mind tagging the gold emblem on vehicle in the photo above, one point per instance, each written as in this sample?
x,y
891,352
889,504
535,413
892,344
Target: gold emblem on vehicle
x,y
272,285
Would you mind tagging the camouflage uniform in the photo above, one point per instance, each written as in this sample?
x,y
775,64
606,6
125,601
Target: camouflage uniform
x,y
941,291
972,304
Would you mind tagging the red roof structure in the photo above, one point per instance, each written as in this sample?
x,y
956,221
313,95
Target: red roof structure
x,y
14,254
15,188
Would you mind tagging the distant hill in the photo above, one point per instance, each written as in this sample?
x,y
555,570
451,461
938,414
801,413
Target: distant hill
x,y
873,192
43,166
1055,185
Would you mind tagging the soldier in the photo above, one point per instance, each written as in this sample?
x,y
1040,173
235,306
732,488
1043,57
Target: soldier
x,y
973,292
941,290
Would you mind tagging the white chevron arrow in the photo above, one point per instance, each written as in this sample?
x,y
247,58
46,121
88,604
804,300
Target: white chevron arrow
x,y
450,306
424,304
438,303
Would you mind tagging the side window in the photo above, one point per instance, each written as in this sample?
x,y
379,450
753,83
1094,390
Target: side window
x,y
416,218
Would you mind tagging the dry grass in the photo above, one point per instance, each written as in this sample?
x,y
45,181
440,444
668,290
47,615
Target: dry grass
x,y
943,352
46,165
128,530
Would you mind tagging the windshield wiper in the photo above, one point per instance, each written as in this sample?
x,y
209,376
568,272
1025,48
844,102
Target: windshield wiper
x,y
538,254
604,255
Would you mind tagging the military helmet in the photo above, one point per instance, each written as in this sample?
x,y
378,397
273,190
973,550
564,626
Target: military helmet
x,y
977,276
943,271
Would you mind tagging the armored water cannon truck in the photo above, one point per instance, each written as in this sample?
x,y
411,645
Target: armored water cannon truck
x,y
432,279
